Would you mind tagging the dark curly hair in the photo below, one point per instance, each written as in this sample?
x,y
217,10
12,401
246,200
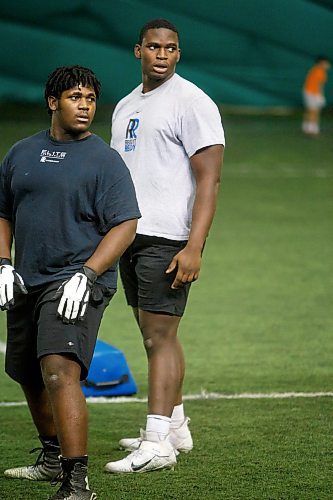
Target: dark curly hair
x,y
68,77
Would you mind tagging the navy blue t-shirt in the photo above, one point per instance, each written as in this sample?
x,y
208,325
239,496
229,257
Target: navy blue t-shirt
x,y
62,198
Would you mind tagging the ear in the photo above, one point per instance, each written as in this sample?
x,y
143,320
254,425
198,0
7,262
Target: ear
x,y
53,103
137,51
178,58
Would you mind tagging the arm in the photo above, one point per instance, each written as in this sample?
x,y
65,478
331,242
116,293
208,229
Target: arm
x,y
10,280
76,291
206,166
112,246
6,238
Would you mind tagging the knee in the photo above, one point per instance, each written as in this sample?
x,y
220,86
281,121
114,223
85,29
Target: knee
x,y
148,344
55,372
158,340
53,380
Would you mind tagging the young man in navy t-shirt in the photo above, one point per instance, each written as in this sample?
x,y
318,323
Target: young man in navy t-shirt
x,y
68,202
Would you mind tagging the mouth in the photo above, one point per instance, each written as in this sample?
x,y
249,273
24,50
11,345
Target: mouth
x,y
160,68
83,118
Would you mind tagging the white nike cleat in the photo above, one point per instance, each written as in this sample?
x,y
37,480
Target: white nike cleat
x,y
148,457
180,438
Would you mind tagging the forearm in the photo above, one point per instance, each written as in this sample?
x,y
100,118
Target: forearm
x,y
112,246
203,213
6,238
206,166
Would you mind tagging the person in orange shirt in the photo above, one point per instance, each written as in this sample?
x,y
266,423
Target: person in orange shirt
x,y
313,95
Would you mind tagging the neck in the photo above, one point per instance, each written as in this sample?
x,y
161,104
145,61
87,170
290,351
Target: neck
x,y
65,136
149,84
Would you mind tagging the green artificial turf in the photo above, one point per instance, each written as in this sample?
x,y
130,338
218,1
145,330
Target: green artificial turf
x,y
259,320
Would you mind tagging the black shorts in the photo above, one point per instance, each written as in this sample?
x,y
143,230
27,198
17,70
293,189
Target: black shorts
x,y
142,271
34,330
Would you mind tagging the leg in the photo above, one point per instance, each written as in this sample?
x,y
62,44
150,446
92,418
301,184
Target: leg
x,y
181,360
165,361
165,377
22,365
47,465
313,116
40,409
61,375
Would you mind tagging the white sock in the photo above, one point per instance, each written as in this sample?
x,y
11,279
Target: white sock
x,y
177,417
157,424
314,128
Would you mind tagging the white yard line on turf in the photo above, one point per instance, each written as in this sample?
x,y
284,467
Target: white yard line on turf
x,y
201,396
198,397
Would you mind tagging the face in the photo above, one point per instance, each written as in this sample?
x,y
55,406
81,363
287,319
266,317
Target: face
x,y
159,54
72,113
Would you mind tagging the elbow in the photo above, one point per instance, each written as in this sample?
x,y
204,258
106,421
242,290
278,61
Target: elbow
x,y
132,226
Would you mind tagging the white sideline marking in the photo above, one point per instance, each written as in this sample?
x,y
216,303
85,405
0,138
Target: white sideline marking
x,y
198,397
2,347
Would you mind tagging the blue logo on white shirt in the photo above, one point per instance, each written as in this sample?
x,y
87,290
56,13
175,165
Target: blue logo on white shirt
x,y
130,141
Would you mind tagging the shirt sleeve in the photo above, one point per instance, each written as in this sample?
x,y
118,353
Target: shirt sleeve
x,y
117,201
5,192
201,125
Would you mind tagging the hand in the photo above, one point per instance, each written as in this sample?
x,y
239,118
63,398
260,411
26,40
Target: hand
x,y
75,293
9,279
186,264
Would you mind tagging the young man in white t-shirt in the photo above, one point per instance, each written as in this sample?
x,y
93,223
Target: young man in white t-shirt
x,y
170,135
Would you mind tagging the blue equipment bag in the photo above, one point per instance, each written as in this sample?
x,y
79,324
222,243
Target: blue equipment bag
x,y
109,374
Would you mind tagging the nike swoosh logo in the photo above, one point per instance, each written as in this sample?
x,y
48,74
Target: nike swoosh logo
x,y
136,468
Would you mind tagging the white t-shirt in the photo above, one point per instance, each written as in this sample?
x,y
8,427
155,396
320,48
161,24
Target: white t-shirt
x,y
156,133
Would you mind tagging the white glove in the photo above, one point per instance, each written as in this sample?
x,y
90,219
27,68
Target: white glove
x,y
75,293
9,279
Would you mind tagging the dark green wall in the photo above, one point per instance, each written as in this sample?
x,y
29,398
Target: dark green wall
x,y
241,52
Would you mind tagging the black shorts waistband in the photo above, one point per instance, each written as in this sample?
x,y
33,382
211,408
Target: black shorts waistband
x,y
147,240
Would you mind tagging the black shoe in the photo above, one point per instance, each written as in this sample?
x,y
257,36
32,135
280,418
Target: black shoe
x,y
74,481
46,468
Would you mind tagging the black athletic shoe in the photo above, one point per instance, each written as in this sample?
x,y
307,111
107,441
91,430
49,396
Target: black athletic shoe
x,y
74,482
46,467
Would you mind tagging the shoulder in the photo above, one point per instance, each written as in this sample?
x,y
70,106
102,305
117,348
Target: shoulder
x,y
32,139
189,90
26,142
106,157
193,101
101,150
191,97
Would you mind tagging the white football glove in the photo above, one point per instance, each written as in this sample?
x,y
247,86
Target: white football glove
x,y
75,293
9,280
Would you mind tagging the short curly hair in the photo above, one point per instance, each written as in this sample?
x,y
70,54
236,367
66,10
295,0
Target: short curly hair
x,y
68,77
156,24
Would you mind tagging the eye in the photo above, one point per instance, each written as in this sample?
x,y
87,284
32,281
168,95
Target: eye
x,y
171,49
151,47
74,97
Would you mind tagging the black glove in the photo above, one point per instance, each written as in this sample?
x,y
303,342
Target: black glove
x,y
75,293
9,279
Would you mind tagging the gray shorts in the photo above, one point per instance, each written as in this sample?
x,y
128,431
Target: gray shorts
x,y
34,330
313,101
142,271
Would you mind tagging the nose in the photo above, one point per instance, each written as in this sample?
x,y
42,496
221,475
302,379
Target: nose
x,y
162,53
84,103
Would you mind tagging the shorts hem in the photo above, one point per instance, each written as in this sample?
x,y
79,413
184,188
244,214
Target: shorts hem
x,y
158,310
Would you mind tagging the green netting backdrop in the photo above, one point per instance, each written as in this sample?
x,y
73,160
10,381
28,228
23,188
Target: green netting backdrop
x,y
241,52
